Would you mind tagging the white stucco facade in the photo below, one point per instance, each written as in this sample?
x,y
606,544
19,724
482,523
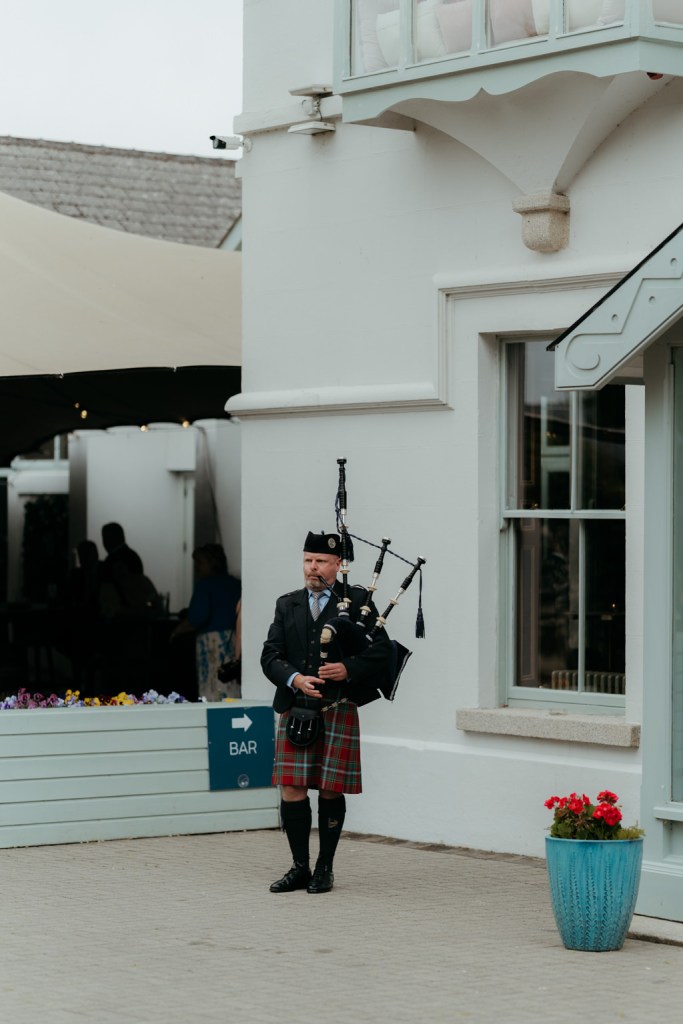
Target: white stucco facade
x,y
383,269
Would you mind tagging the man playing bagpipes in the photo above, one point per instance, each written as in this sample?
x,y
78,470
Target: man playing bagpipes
x,y
305,690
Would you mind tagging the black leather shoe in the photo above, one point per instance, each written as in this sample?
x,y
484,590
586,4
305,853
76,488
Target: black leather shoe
x,y
322,880
298,877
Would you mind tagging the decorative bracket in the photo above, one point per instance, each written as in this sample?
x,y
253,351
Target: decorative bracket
x,y
545,221
606,343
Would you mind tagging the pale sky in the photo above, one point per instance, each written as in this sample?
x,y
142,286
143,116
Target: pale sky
x,y
160,75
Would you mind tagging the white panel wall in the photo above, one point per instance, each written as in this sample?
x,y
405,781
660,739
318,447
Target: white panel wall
x,y
147,482
81,774
219,465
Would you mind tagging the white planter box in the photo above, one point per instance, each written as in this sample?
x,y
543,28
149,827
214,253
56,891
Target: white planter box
x,y
77,774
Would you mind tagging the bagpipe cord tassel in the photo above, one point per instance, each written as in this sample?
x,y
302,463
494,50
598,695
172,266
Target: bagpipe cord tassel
x,y
420,620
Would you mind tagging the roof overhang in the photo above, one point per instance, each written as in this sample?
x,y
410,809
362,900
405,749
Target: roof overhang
x,y
606,345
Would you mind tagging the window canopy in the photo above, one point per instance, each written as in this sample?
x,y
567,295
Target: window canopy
x,y
606,344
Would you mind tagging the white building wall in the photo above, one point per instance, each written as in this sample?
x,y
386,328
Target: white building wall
x,y
380,269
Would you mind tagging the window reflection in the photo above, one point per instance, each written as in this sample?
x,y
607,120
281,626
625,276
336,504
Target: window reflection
x,y
544,467
602,449
550,610
547,603
605,588
512,20
544,462
444,28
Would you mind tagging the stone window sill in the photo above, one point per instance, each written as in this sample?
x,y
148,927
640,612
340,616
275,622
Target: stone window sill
x,y
535,723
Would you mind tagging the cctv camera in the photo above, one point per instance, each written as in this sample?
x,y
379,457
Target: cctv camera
x,y
227,141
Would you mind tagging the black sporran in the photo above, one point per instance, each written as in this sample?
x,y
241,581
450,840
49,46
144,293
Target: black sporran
x,y
304,726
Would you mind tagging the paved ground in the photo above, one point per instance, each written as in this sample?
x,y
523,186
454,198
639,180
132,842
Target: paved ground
x,y
183,930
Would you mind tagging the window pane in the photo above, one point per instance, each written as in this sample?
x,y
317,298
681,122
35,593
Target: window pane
x,y
547,603
454,21
605,589
579,16
602,438
670,11
508,22
376,36
543,460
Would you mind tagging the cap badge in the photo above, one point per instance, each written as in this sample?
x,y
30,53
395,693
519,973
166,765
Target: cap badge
x,y
332,542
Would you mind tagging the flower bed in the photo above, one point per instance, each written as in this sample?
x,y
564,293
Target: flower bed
x,y
72,699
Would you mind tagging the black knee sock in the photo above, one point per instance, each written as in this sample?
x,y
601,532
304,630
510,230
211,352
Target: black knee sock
x,y
331,814
296,823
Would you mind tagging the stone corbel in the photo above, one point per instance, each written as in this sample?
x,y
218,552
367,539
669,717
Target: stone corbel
x,y
545,221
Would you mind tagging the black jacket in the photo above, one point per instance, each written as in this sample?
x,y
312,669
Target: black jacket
x,y
286,648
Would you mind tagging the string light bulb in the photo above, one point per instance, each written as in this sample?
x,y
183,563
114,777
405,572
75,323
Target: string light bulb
x,y
84,414
185,424
144,428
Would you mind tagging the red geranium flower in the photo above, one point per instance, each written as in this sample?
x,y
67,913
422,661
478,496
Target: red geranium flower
x,y
610,814
576,817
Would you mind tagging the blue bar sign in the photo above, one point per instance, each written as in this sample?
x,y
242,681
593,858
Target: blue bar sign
x,y
241,746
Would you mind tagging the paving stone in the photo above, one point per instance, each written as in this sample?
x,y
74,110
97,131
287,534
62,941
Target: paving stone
x,y
184,929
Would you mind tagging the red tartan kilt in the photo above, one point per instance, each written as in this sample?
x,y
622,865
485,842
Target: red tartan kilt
x,y
332,763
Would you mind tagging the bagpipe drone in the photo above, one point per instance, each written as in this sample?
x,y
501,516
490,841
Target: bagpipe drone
x,y
341,637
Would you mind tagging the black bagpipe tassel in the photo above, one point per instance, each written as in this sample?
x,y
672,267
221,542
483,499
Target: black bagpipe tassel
x,y
349,547
420,620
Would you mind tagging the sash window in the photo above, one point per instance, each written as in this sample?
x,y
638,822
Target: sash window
x,y
564,536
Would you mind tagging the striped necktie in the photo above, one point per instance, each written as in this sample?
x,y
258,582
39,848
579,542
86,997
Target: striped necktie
x,y
315,606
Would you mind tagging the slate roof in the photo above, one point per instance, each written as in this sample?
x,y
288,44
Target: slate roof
x,y
188,199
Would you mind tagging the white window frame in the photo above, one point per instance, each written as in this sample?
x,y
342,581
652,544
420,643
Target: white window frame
x,y
515,695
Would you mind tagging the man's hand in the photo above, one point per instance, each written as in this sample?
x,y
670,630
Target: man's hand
x,y
308,685
335,672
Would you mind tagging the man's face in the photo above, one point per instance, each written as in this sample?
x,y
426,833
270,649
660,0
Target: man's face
x,y
315,566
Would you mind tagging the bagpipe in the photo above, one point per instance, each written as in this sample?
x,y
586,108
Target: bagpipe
x,y
342,637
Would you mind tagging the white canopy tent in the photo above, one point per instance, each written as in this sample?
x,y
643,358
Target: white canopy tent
x,y
78,299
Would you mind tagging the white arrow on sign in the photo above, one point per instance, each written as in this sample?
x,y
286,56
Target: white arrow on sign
x,y
242,723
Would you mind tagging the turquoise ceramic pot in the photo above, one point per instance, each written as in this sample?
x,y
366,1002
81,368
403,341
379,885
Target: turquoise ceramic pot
x,y
593,888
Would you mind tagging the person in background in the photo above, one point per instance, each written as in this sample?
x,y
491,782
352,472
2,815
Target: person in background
x,y
214,615
129,603
118,552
